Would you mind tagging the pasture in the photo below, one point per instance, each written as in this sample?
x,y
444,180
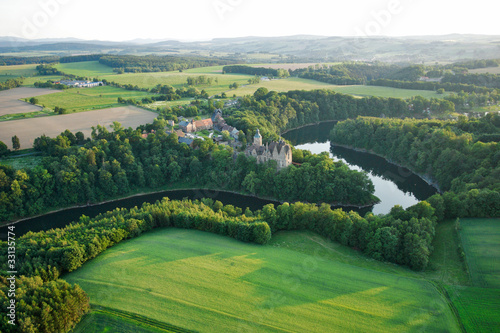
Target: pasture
x,y
29,129
205,282
480,240
10,103
84,99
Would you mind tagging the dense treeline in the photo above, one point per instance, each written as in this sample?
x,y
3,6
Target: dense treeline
x,y
116,163
153,63
11,60
260,71
41,306
434,86
448,151
79,58
482,80
11,83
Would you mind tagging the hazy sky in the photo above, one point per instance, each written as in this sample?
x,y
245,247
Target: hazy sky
x,y
206,19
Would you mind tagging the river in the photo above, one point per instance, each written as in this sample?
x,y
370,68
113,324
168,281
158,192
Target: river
x,y
393,185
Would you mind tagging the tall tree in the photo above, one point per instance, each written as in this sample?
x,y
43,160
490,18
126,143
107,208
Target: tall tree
x,y
15,143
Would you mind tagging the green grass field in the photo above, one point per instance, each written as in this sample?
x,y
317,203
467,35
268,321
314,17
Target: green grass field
x,y
86,69
206,282
479,305
12,72
84,99
481,239
479,308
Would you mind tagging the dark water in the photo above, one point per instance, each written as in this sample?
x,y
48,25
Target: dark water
x,y
64,217
393,185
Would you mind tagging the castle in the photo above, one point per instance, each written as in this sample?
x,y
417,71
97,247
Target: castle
x,y
281,152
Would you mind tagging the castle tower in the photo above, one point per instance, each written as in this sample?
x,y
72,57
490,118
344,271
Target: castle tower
x,y
257,139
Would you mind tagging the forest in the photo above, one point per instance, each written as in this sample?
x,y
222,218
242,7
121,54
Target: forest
x,y
462,156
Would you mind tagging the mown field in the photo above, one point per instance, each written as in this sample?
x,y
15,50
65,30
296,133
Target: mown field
x,y
84,99
209,283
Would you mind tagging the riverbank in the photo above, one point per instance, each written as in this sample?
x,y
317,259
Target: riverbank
x,y
426,178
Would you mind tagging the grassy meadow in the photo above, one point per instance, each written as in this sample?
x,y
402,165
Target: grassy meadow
x,y
225,285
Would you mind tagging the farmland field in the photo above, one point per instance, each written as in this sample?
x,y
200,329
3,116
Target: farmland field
x,y
84,99
10,103
226,285
29,129
293,66
178,79
479,308
86,69
479,305
12,72
481,239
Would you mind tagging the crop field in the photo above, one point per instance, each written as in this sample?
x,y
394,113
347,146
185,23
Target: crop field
x,y
12,72
481,239
84,99
226,285
29,129
10,103
479,308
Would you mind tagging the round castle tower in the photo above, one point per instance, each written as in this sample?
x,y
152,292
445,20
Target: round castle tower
x,y
257,139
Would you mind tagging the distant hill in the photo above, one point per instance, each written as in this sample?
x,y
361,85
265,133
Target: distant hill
x,y
298,48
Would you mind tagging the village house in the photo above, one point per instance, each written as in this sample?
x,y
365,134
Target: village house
x,y
196,125
280,152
